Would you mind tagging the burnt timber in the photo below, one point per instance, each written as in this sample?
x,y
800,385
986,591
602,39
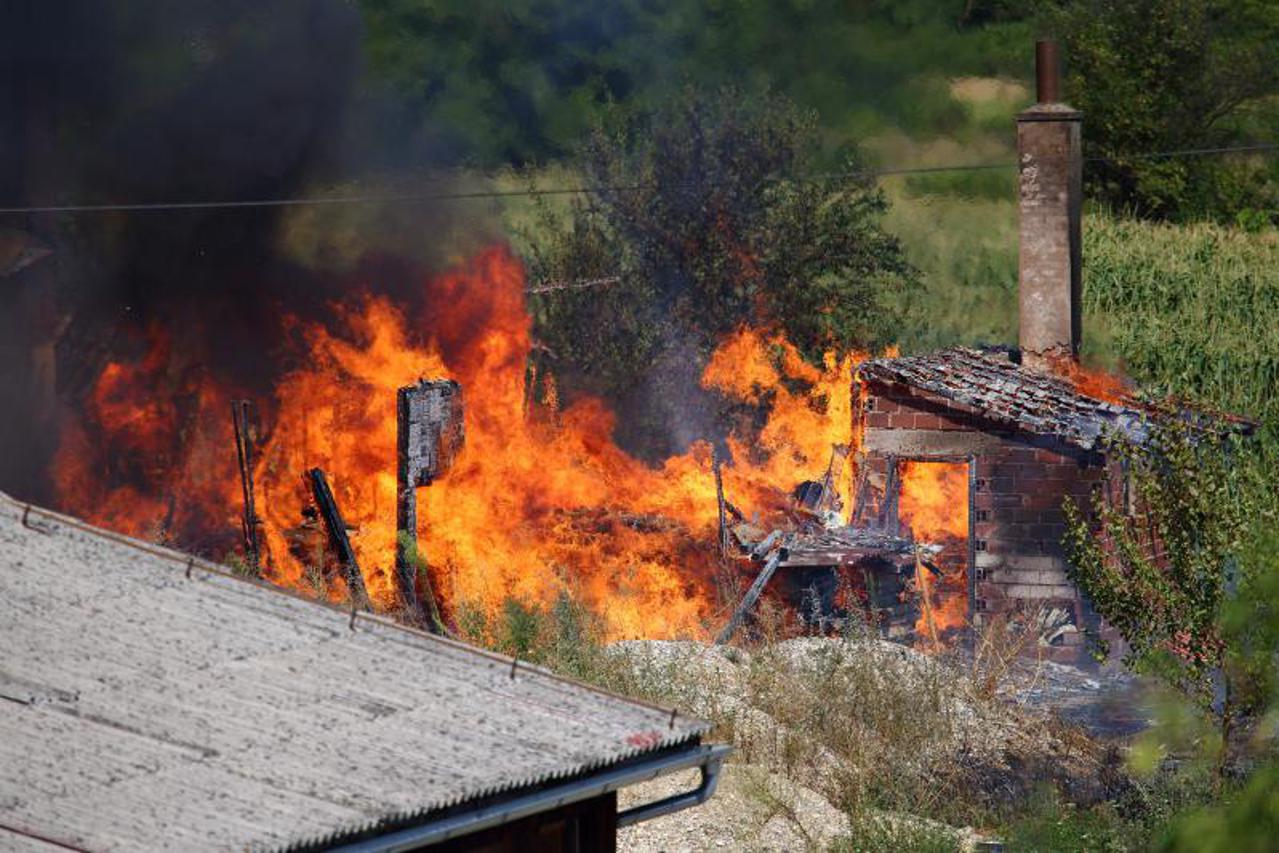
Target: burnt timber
x,y
338,537
429,434
242,420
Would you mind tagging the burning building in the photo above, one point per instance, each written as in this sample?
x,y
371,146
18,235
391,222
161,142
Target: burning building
x,y
972,452
1015,432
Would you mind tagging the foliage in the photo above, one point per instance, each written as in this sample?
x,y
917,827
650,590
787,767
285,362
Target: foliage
x,y
521,82
1163,559
1243,821
1135,820
1050,825
966,250
563,635
883,834
241,567
1162,75
697,212
1188,310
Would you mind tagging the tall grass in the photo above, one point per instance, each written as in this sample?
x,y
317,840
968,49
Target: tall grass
x,y
966,248
1187,309
1184,309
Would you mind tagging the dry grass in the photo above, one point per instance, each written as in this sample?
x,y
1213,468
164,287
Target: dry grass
x,y
905,745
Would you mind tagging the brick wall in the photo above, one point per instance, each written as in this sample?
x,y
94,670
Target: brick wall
x,y
1020,486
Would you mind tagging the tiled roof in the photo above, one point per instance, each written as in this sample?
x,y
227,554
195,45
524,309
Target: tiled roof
x,y
996,388
151,702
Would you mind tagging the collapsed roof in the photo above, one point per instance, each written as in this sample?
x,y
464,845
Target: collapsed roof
x,y
989,384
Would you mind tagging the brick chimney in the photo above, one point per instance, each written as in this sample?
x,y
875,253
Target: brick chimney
x,y
1050,177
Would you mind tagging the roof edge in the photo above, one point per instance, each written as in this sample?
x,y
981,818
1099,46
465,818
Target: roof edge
x,y
190,562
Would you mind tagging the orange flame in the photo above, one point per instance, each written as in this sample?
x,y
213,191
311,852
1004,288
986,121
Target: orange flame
x,y
1097,384
934,505
533,508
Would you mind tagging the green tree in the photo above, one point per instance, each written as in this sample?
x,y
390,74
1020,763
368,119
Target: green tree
x,y
518,82
701,213
1165,75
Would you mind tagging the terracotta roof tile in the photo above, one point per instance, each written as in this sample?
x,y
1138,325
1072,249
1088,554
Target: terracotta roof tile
x,y
1008,394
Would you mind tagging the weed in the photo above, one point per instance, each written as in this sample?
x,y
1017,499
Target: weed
x,y
317,581
241,567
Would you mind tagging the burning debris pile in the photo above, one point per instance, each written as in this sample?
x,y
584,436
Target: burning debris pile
x,y
540,503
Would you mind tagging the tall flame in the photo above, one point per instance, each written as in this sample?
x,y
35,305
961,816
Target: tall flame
x,y
934,505
534,506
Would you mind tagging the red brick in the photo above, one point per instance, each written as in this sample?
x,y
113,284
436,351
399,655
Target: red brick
x,y
1003,470
1042,500
1024,455
877,420
1005,486
984,500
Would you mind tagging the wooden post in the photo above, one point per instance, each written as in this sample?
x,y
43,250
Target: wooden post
x,y
888,520
338,536
719,498
241,418
429,434
925,604
830,482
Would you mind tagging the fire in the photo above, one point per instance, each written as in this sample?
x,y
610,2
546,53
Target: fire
x,y
1097,384
934,505
140,405
540,503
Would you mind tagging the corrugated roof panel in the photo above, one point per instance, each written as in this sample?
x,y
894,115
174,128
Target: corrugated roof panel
x,y
144,709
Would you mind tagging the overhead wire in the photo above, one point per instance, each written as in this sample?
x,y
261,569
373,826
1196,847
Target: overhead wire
x,y
533,192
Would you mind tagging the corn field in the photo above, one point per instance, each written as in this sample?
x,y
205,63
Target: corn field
x,y
1187,309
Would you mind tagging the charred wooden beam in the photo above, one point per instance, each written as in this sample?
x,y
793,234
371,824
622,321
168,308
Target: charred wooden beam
x,y
429,434
763,547
720,502
830,483
338,537
752,595
860,492
242,419
888,516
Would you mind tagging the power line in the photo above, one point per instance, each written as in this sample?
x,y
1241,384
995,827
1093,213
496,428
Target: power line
x,y
1189,152
403,198
576,284
416,198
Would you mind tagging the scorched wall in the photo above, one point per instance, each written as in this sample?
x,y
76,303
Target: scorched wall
x,y
1017,487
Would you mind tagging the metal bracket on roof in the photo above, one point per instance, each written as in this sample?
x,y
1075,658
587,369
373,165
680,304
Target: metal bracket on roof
x,y
38,528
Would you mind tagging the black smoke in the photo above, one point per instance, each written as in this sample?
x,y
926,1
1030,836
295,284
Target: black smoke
x,y
153,101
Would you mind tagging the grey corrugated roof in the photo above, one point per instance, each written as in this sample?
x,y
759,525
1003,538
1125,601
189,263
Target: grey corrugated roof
x,y
991,384
142,709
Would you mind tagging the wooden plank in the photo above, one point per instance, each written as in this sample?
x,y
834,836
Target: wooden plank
x,y
719,500
338,536
429,434
752,596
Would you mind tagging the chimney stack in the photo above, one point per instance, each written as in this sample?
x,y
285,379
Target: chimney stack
x,y
1050,191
